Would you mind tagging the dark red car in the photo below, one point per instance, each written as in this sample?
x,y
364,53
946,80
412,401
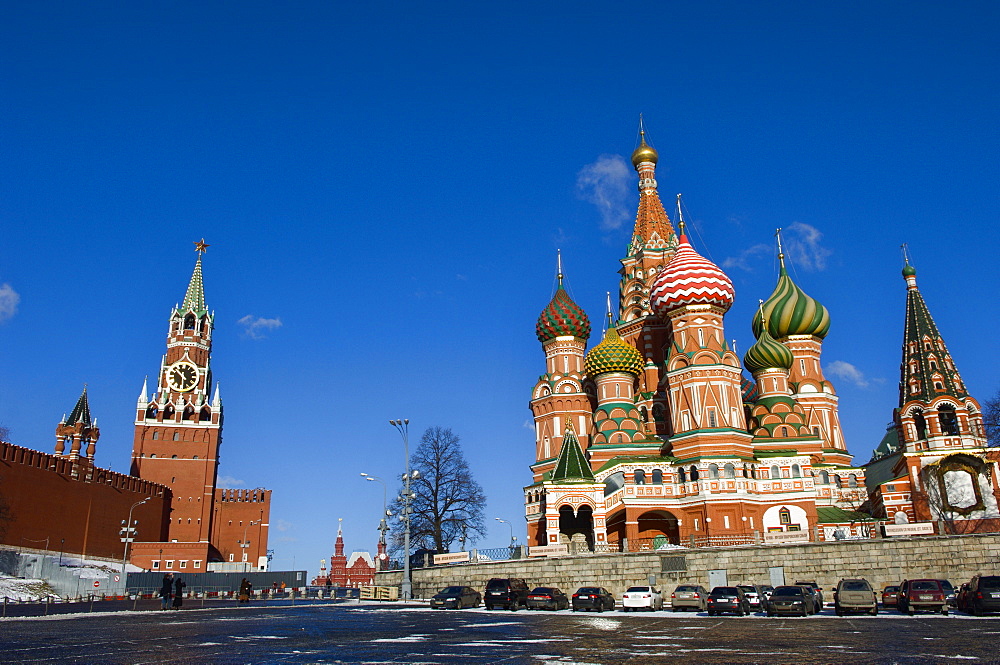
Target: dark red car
x,y
921,595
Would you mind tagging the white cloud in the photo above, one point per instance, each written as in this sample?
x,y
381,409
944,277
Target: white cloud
x,y
605,183
282,525
255,327
9,299
848,372
746,257
230,483
803,248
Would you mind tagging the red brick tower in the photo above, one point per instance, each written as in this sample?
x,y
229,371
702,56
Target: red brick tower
x,y
178,429
78,432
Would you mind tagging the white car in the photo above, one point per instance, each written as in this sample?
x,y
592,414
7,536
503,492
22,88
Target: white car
x,y
642,597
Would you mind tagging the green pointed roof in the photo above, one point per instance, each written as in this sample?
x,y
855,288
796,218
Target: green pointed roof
x,y
572,464
767,353
613,355
926,360
194,299
789,311
81,412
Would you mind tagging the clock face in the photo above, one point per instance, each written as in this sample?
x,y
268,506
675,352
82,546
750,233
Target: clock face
x,y
182,376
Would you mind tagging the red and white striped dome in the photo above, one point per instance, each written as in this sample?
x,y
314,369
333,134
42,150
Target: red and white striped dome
x,y
690,279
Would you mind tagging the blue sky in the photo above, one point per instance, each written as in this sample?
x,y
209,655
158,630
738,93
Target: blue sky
x,y
385,186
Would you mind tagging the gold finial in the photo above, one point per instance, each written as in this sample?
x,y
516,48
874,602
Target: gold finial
x,y
781,253
559,272
680,216
569,427
645,152
201,246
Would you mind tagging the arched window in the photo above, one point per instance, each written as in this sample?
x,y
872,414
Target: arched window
x,y
152,456
156,436
729,470
785,516
796,471
189,322
694,472
681,475
151,411
195,457
657,477
177,436
837,481
824,477
948,419
784,431
188,413
852,480
205,415
713,470
168,412
775,473
920,424
640,477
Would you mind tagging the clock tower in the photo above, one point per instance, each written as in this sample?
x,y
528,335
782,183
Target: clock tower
x,y
178,428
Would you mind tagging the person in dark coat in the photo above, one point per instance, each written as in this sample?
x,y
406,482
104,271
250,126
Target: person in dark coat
x,y
165,590
178,593
245,590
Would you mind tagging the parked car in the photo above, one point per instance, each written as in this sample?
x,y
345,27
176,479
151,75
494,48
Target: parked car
x,y
790,600
509,593
983,594
818,593
949,593
456,597
855,595
728,599
593,598
889,594
815,604
547,598
642,597
689,595
753,596
917,595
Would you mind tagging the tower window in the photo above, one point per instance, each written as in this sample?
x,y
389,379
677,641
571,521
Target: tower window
x,y
657,477
802,365
189,322
177,436
796,471
711,418
713,470
948,419
785,516
640,477
156,435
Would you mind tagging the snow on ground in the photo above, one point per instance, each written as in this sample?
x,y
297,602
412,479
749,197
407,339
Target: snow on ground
x,y
16,588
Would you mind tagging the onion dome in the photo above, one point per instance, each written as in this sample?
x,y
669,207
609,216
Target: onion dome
x,y
644,153
613,355
909,271
562,318
690,279
767,353
789,311
749,390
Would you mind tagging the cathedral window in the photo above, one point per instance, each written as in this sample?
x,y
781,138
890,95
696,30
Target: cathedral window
x,y
938,386
784,431
815,431
694,473
796,471
775,473
701,337
713,470
948,419
657,477
933,366
824,477
785,516
729,470
711,418
681,475
802,365
852,480
837,481
640,477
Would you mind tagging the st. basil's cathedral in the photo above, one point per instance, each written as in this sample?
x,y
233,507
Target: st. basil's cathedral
x,y
655,437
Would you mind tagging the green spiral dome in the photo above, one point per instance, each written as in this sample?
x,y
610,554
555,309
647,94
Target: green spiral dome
x,y
613,355
767,353
789,311
562,318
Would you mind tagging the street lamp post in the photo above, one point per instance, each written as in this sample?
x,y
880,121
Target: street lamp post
x,y
403,427
244,544
383,527
128,534
513,538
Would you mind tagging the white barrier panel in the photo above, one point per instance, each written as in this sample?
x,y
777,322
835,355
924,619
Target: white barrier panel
x,y
787,537
548,550
915,529
454,557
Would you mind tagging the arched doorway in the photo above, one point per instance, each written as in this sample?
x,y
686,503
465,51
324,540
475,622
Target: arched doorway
x,y
578,527
658,528
615,528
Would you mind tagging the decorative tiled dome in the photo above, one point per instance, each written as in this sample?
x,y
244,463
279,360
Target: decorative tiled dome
x,y
690,279
749,390
561,318
767,353
789,311
613,355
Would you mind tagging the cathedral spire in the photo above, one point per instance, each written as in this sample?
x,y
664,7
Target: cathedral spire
x,y
572,464
928,371
652,226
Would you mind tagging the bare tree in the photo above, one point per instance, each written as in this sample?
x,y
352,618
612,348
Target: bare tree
x,y
447,502
991,420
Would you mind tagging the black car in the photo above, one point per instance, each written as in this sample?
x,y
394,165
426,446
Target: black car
x,y
817,593
790,600
509,593
593,598
728,599
456,597
983,594
547,598
949,593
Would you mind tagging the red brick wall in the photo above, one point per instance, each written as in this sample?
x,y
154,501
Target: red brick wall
x,y
86,510
234,511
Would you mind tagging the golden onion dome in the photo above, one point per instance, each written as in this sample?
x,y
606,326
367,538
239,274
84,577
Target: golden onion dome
x,y
644,153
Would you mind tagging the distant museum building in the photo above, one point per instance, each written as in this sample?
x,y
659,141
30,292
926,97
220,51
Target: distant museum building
x,y
656,437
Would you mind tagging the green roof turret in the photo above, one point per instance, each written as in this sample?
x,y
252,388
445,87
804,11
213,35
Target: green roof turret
x,y
789,311
767,353
613,355
562,317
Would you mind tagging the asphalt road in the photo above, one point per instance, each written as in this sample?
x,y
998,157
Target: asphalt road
x,y
372,633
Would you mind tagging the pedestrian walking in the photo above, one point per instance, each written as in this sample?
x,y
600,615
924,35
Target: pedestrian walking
x,y
245,590
178,593
165,590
